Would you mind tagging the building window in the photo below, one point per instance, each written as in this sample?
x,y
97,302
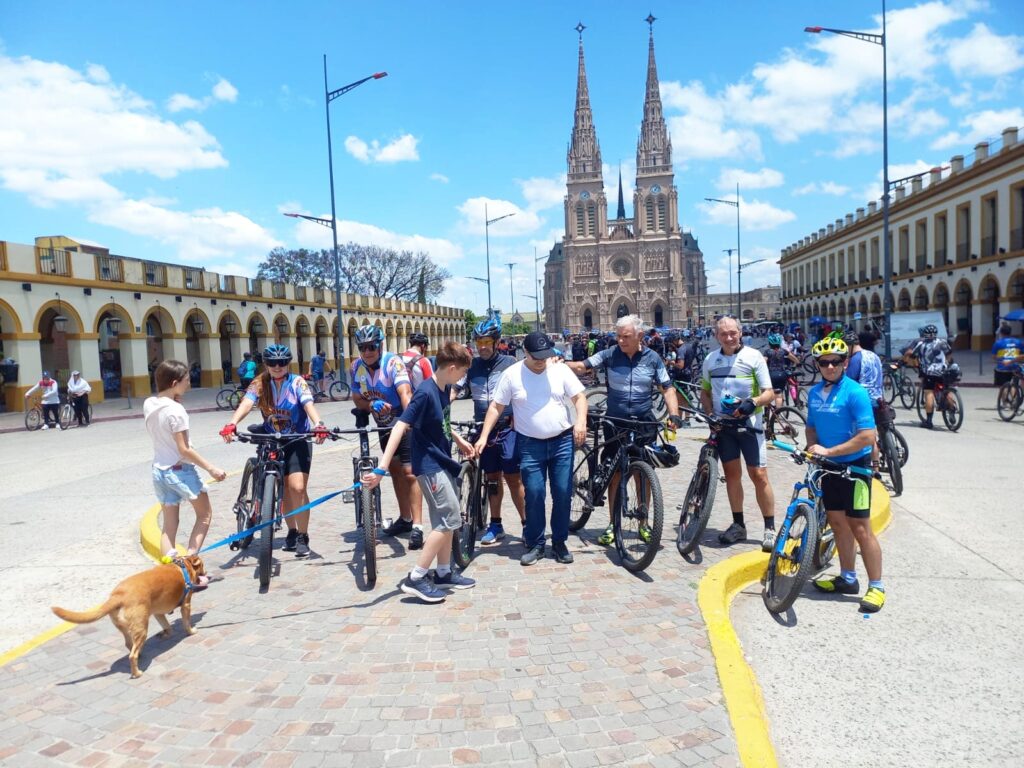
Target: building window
x,y
622,311
921,245
988,225
904,262
963,232
579,220
661,214
621,267
592,220
588,319
659,316
649,207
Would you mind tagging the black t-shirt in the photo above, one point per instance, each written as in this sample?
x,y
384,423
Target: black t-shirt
x,y
430,436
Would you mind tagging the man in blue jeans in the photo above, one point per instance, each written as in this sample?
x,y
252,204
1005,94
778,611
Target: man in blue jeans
x,y
539,389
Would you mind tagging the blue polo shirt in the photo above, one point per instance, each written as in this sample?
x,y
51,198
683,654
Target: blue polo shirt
x,y
630,380
841,415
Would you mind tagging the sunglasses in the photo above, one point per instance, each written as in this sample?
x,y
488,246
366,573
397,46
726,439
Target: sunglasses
x,y
276,363
369,347
833,363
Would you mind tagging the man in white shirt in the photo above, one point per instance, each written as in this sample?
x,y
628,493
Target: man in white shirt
x,y
538,390
50,400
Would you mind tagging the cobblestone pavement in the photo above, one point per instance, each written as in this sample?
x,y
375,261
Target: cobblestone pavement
x,y
552,665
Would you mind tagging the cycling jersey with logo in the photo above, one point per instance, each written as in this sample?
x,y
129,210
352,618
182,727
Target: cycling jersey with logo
x,y
289,398
778,362
418,366
1006,351
482,378
837,417
381,383
742,375
869,374
630,379
931,354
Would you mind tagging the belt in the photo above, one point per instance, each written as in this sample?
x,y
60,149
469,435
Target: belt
x,y
559,436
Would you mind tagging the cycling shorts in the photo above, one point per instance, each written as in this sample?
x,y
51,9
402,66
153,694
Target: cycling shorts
x,y
750,445
298,457
643,434
502,455
849,495
779,382
929,382
404,453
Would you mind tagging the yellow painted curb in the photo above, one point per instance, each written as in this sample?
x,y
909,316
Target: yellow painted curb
x,y
743,700
29,645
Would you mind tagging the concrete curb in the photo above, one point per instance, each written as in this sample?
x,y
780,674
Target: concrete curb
x,y
124,417
719,585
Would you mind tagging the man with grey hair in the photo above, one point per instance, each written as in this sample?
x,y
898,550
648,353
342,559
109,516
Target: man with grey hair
x,y
736,385
631,371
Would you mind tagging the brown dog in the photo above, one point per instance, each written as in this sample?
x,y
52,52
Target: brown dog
x,y
155,592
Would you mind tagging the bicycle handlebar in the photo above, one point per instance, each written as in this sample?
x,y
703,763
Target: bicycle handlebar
x,y
720,422
277,437
827,464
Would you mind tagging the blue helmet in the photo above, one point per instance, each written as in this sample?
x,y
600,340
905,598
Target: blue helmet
x,y
489,328
687,333
277,353
369,334
774,340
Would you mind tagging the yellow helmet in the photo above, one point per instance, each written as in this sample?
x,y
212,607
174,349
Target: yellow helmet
x,y
830,346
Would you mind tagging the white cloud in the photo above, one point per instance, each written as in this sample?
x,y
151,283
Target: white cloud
x,y
754,214
980,126
542,193
222,91
401,149
700,132
763,179
182,101
824,188
984,54
521,222
925,122
857,145
439,177
309,234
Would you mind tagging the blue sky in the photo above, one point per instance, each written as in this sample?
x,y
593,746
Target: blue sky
x,y
182,131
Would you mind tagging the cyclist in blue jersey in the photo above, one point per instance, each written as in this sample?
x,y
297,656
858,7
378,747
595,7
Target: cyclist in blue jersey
x,y
1006,351
287,406
318,367
500,459
841,427
381,385
632,370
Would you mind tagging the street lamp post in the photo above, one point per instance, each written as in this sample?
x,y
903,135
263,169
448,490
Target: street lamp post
x,y
736,204
739,286
481,280
730,251
330,96
487,242
706,294
536,278
868,37
511,296
536,301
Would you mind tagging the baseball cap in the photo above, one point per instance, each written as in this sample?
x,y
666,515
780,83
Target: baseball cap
x,y
538,345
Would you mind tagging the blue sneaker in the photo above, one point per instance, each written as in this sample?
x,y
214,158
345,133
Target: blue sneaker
x,y
423,588
495,531
454,580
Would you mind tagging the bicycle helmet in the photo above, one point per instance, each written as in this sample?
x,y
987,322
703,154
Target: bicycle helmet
x,y
687,333
929,331
830,346
369,334
851,337
774,340
662,456
416,338
489,328
277,353
729,403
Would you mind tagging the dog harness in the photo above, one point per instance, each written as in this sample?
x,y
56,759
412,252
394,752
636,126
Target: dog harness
x,y
188,582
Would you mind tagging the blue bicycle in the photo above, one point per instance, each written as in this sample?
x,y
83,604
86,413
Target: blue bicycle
x,y
805,544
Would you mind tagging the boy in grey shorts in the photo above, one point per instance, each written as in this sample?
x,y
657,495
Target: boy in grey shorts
x,y
426,419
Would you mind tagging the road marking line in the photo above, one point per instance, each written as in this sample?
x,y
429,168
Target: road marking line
x,y
8,656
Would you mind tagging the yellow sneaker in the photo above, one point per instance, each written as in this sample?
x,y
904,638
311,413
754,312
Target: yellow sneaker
x,y
607,538
645,534
873,601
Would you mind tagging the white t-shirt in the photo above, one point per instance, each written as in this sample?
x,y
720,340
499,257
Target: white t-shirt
x,y
539,400
164,417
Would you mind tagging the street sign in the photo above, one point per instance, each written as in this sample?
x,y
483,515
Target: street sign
x,y
856,315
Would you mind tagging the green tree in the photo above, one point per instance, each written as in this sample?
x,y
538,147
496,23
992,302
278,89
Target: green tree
x,y
421,290
471,321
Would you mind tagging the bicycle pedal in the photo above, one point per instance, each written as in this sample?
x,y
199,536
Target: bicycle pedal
x,y
233,546
348,497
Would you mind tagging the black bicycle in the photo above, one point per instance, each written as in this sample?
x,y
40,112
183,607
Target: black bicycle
x,y
261,496
366,500
474,490
695,511
638,515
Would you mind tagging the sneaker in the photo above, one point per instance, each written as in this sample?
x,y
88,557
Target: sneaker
x,y
290,539
60,428
495,532
645,534
873,600
561,552
416,539
424,589
532,555
926,425
45,426
732,534
453,579
838,585
302,545
607,538
401,525
768,542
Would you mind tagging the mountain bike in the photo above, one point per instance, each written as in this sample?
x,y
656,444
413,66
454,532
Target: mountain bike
x,y
805,543
785,423
474,489
638,515
228,397
793,393
367,501
1011,395
687,395
695,511
947,401
261,497
896,382
338,389
892,455
67,414
34,414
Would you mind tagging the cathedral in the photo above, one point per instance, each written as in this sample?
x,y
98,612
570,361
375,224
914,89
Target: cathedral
x,y
640,265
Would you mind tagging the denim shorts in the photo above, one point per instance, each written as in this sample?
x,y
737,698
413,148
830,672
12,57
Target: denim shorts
x,y
174,486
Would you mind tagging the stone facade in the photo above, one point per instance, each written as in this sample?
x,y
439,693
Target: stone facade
x,y
167,311
758,304
641,265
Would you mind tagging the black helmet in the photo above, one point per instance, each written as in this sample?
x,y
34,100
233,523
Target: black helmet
x,y
416,338
277,353
662,455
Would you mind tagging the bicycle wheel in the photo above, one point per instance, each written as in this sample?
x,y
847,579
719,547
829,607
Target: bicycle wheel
x,y
464,540
639,517
67,413
33,419
596,398
340,391
696,507
890,386
891,453
368,503
789,425
953,413
235,398
1009,400
658,405
245,504
791,560
908,392
268,508
582,505
919,402
826,549
222,397
901,445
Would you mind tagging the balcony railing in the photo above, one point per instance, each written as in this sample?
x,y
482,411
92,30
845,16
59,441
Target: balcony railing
x,y
156,274
109,268
962,252
1017,239
863,276
921,262
255,286
940,256
318,295
278,290
300,293
53,262
194,279
876,273
227,284
988,246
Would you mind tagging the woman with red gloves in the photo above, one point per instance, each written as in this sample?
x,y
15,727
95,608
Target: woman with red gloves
x,y
287,407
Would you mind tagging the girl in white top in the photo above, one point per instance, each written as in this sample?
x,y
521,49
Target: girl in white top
x,y
175,478
78,393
